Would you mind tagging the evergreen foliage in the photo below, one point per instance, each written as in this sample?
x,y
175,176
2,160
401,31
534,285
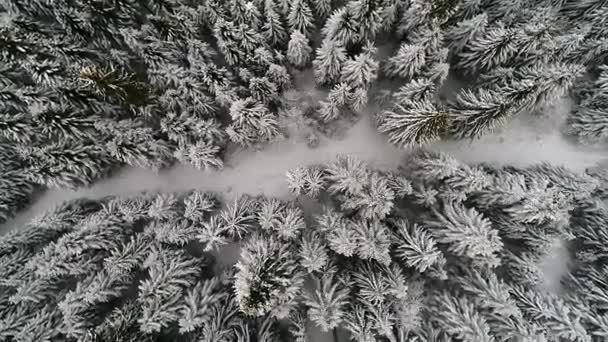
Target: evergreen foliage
x,y
378,262
151,83
435,251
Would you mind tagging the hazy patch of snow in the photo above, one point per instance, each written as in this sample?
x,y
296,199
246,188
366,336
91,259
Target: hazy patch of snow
x,y
555,266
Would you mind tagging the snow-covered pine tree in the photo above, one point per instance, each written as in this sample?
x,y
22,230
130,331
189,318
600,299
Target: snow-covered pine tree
x,y
251,122
588,121
361,71
268,279
328,62
244,12
341,27
279,75
474,113
367,13
308,181
327,304
416,90
298,49
322,8
373,240
131,142
273,29
467,233
337,100
417,248
300,18
413,122
491,49
313,253
459,35
170,273
407,62
457,316
262,89
65,164
531,88
550,311
236,41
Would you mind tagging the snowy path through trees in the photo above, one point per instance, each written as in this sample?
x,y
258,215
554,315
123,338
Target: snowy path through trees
x,y
524,142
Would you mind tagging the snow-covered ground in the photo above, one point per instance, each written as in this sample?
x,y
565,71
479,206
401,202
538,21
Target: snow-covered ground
x,y
526,140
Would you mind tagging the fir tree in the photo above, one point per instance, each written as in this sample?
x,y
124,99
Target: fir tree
x,y
66,164
552,312
346,175
135,145
474,113
202,155
194,312
416,90
245,12
278,75
531,88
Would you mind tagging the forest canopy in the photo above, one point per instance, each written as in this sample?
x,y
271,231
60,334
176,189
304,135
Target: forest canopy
x,y
437,250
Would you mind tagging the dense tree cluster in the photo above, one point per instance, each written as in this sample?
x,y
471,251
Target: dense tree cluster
x,y
436,251
87,86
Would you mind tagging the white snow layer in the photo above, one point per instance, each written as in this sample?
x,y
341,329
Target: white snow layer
x,y
524,141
